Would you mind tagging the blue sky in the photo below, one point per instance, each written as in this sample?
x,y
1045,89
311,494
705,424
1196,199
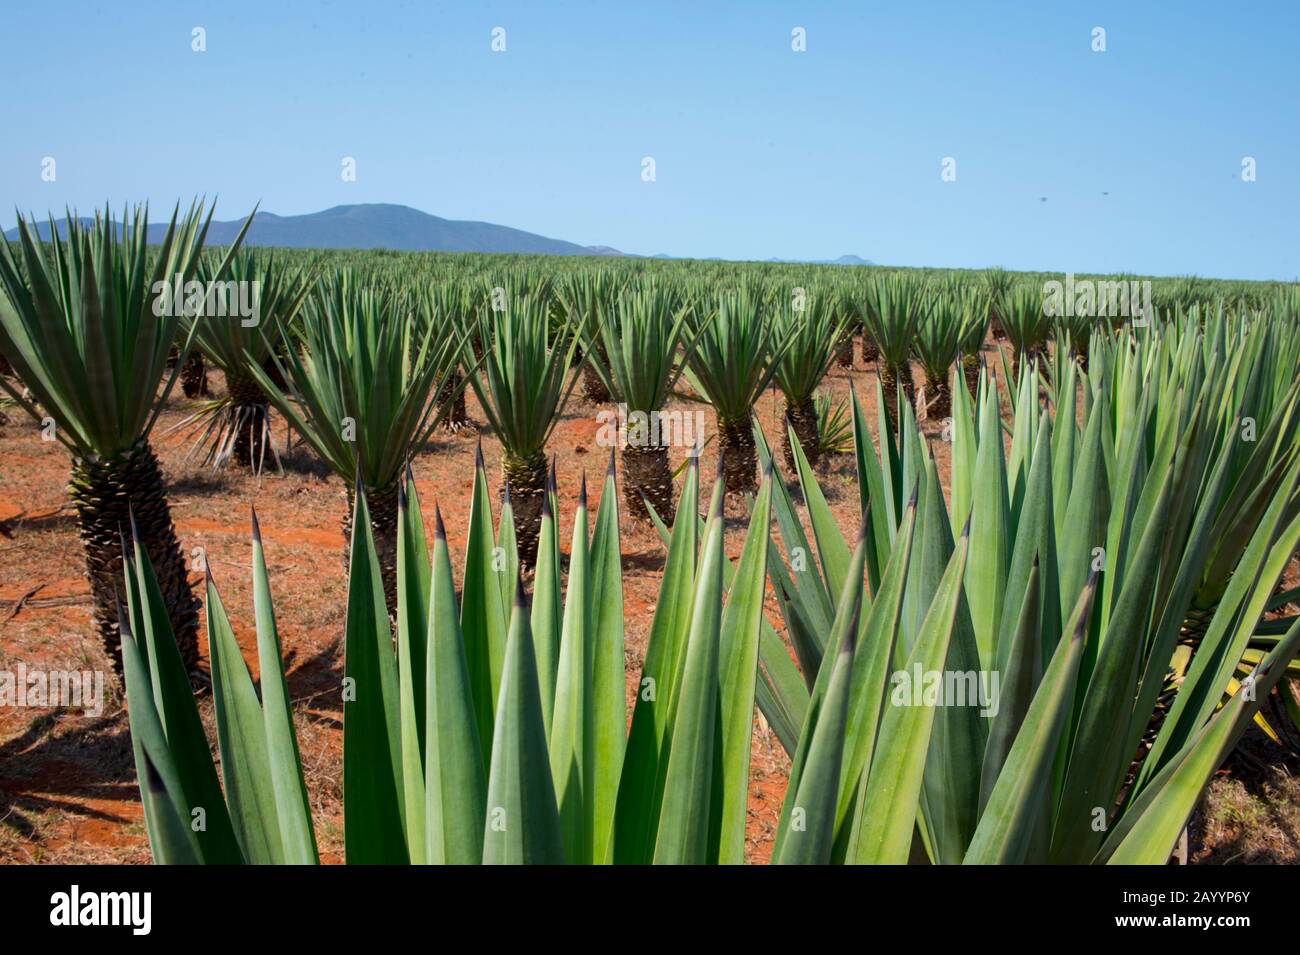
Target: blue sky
x,y
759,151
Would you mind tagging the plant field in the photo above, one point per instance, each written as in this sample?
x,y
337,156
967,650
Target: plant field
x,y
406,557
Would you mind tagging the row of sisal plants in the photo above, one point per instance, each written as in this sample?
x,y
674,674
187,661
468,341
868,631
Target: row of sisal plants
x,y
1132,523
364,353
1130,545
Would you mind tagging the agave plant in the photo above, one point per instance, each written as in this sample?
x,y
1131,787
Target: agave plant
x,y
939,341
995,282
89,328
1072,335
834,426
494,732
852,327
362,382
810,325
193,373
454,301
237,426
1027,327
895,307
645,341
853,303
974,305
1248,365
526,383
585,297
1092,544
737,354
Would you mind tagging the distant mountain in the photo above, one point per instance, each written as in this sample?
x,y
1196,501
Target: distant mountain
x,y
842,260
389,226
375,226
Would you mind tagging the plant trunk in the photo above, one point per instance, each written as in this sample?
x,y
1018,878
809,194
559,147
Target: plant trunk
x,y
870,353
995,326
106,495
739,456
938,398
802,419
592,387
890,379
250,415
646,471
194,376
526,478
844,351
273,372
382,503
456,416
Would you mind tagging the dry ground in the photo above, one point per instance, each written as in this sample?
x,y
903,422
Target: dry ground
x,y
67,782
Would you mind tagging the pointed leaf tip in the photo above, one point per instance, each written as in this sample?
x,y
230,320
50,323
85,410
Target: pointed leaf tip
x,y
439,530
610,470
505,494
478,454
257,528
582,490
521,598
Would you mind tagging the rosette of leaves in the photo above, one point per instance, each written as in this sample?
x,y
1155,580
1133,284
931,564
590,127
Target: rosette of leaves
x,y
1026,325
525,383
645,340
810,324
237,426
362,379
952,331
996,282
1097,531
895,306
492,732
738,351
89,324
585,297
453,300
